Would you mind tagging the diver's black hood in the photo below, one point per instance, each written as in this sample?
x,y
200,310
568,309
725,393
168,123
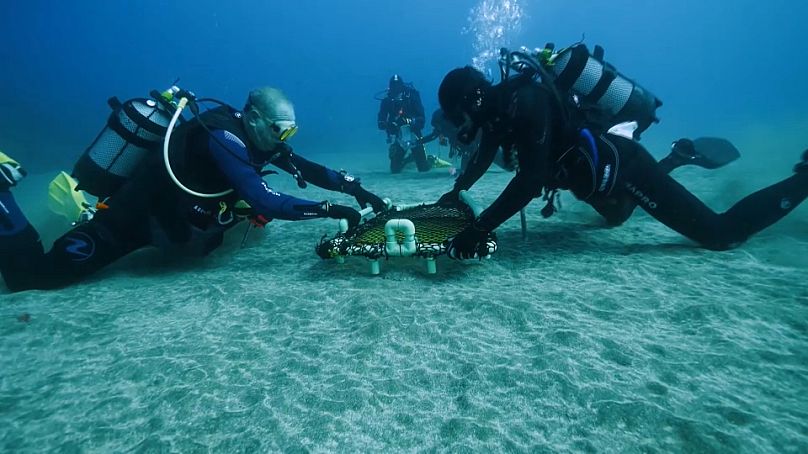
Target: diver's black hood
x,y
463,90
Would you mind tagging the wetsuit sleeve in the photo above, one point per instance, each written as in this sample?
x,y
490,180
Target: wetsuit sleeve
x,y
430,137
314,173
234,162
384,110
479,164
533,126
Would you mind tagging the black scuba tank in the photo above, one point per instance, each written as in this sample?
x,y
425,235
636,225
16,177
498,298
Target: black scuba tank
x,y
134,129
605,95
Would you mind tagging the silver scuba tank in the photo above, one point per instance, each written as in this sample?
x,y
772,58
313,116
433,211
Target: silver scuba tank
x,y
606,96
134,129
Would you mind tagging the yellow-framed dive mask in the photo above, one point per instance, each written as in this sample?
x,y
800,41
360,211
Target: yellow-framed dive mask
x,y
283,130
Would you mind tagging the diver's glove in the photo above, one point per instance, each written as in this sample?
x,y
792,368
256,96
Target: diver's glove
x,y
382,125
352,186
11,172
365,198
450,199
342,212
471,243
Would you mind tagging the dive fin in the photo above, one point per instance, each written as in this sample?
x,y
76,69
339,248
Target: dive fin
x,y
438,163
707,152
64,199
714,152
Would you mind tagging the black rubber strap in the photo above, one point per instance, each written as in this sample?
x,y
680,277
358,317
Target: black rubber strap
x,y
600,88
574,67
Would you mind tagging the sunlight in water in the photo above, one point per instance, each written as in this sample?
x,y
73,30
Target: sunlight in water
x,y
491,21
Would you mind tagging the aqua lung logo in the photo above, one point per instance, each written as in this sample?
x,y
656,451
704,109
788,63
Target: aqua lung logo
x,y
785,204
80,246
644,199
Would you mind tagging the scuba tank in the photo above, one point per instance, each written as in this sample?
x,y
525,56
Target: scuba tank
x,y
587,84
135,128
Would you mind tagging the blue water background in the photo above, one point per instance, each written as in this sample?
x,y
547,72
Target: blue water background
x,y
719,66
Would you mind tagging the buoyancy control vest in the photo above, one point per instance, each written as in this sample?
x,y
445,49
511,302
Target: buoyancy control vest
x,y
190,144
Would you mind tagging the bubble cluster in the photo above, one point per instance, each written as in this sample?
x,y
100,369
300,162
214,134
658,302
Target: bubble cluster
x,y
490,22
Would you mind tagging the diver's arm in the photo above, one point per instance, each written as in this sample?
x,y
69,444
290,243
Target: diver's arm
x,y
248,184
479,163
316,174
331,180
516,196
384,112
429,137
417,115
532,133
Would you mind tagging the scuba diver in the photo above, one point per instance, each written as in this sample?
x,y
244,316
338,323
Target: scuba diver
x,y
555,152
207,180
446,134
401,115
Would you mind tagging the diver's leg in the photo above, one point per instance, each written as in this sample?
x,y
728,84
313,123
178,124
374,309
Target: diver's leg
x,y
80,252
673,205
20,246
396,159
617,208
682,152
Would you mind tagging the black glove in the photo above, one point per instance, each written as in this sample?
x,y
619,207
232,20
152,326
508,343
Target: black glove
x,y
382,125
342,212
365,197
468,244
450,199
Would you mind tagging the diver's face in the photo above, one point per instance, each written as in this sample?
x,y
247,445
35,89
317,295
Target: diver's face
x,y
266,134
396,89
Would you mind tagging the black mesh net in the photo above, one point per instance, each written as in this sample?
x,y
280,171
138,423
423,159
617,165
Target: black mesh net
x,y
433,226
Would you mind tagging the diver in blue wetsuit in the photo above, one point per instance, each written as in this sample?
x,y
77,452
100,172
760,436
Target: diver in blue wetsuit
x,y
598,167
221,151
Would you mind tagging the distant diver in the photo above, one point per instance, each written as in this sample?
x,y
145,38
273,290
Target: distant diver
x,y
401,116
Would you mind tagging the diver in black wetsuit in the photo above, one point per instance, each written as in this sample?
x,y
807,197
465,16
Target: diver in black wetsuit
x,y
151,209
596,167
399,108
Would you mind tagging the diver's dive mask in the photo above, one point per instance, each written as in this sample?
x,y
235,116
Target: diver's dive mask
x,y
282,130
468,115
467,130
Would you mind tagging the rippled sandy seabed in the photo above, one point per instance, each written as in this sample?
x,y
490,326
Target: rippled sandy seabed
x,y
578,338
